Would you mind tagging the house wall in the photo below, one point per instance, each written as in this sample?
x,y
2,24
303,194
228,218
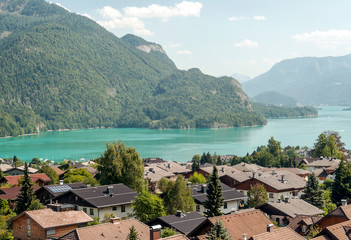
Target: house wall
x,y
328,221
14,172
20,229
100,212
279,219
231,206
60,231
229,181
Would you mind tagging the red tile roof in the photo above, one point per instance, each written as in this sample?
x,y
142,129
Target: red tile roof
x,y
285,233
13,180
12,193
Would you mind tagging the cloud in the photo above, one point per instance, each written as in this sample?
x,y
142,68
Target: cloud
x,y
252,62
325,39
246,43
183,52
131,17
174,45
234,18
259,18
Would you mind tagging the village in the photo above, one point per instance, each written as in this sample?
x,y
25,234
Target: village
x,y
173,200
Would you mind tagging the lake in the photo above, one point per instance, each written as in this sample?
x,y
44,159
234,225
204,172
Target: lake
x,y
178,144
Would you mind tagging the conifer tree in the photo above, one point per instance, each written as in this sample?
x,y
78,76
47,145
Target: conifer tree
x,y
26,196
313,192
195,162
214,200
133,234
342,183
218,232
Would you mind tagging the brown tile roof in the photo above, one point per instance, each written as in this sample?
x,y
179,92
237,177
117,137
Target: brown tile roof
x,y
325,162
285,233
339,231
47,218
170,166
57,170
322,237
154,174
222,170
294,223
13,180
12,192
251,222
296,171
291,208
117,231
176,237
248,167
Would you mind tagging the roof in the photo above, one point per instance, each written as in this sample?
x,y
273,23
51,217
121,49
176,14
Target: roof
x,y
222,170
56,190
341,231
47,218
248,167
99,197
325,162
239,176
57,170
117,231
185,223
12,192
13,180
170,166
296,171
251,222
200,195
291,208
30,170
308,220
154,173
285,233
5,167
176,237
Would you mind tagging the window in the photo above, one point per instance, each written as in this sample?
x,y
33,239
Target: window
x,y
277,220
197,208
114,208
225,205
123,208
304,228
271,195
91,211
85,209
28,226
76,198
51,231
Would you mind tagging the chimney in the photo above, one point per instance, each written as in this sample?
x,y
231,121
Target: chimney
x,y
155,232
269,227
222,169
203,188
54,206
61,182
282,178
286,199
169,165
253,174
273,171
110,190
179,214
115,220
244,236
343,202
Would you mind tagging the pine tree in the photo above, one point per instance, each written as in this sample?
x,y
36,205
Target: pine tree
x,y
133,234
313,192
196,162
26,196
214,200
218,232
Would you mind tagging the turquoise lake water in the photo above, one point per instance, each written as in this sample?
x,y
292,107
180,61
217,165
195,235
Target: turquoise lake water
x,y
178,145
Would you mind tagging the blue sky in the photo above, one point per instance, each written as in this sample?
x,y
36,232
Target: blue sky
x,y
228,36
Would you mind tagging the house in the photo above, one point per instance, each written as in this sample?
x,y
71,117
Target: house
x,y
222,170
171,167
283,211
285,233
339,215
40,179
323,162
153,175
57,170
304,152
337,231
153,160
48,192
183,223
97,201
10,194
302,223
47,223
277,184
248,223
248,167
233,178
176,237
233,200
19,171
297,171
323,174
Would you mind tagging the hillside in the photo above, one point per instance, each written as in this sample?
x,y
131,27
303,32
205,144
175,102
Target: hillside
x,y
60,70
275,98
309,80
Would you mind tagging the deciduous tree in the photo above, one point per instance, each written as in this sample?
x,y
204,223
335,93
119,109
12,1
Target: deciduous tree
x,y
148,206
257,195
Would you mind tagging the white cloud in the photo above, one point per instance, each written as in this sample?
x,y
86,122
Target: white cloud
x,y
325,39
183,52
259,18
174,45
234,18
131,17
246,43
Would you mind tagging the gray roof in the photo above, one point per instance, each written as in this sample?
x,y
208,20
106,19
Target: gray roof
x,y
227,192
325,162
185,223
59,189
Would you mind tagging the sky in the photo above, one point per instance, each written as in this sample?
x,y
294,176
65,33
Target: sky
x,y
224,37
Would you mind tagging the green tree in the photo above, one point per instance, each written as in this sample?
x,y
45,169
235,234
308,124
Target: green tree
x,y
313,193
328,205
327,145
148,206
197,178
342,182
26,196
274,147
133,234
214,200
51,173
167,232
35,163
121,164
17,162
178,197
218,232
79,175
195,162
257,195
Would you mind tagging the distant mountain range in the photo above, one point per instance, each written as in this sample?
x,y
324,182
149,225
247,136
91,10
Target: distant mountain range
x,y
60,70
309,80
240,77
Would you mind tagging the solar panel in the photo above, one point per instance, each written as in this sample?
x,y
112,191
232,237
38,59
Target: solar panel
x,y
58,189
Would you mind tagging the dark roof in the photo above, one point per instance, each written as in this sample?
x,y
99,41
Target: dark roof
x,y
185,223
56,190
227,192
99,197
295,222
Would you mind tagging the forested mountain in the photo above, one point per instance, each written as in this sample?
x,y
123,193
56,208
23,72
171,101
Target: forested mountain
x,y
309,80
60,70
275,98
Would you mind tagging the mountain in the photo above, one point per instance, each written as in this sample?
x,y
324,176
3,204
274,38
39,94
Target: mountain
x,y
309,80
275,98
240,77
60,70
